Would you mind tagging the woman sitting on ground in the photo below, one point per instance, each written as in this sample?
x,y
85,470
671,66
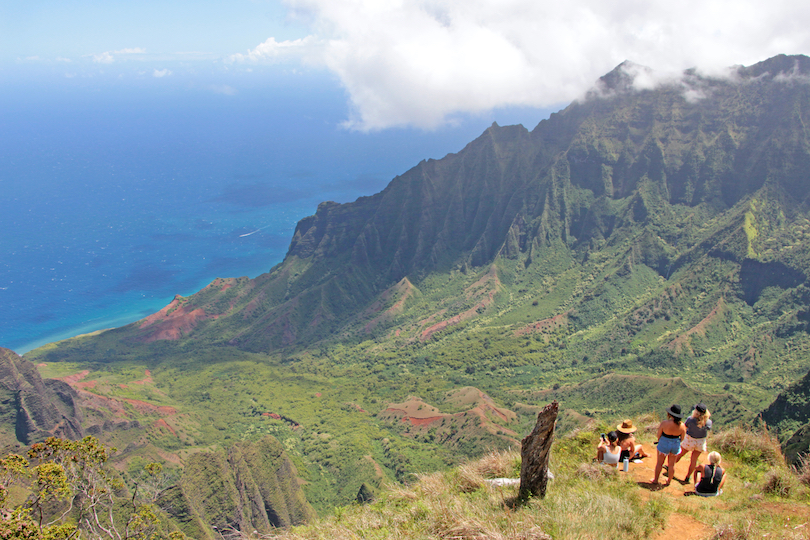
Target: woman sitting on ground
x,y
710,479
670,434
608,451
627,441
697,431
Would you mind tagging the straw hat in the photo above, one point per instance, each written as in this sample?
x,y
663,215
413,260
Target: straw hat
x,y
626,427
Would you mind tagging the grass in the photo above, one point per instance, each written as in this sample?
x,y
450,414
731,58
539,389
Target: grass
x,y
461,504
584,500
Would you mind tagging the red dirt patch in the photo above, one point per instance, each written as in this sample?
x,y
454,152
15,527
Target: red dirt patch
x,y
88,384
486,287
171,322
546,325
682,341
147,380
73,379
161,423
147,408
43,364
402,290
422,421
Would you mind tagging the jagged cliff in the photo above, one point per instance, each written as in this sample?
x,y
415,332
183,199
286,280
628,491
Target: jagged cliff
x,y
692,168
33,409
252,487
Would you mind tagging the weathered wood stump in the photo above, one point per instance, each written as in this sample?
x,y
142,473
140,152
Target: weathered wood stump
x,y
535,451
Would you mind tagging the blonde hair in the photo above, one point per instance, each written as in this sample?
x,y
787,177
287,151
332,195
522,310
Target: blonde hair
x,y
715,458
701,417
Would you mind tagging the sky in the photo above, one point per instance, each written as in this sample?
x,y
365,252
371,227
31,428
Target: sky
x,y
398,63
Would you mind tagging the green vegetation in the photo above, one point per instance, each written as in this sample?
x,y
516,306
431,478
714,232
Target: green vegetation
x,y
635,249
65,489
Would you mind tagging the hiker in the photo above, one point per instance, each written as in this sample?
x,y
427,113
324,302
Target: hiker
x,y
697,430
627,441
710,479
608,451
670,434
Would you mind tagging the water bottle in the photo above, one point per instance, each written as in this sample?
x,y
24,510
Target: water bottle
x,y
626,465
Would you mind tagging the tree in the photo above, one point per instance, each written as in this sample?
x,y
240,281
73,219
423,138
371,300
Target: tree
x,y
73,494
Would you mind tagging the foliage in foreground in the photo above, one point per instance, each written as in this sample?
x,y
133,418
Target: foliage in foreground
x,y
68,492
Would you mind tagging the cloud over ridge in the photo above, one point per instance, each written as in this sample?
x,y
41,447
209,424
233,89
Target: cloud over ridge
x,y
419,62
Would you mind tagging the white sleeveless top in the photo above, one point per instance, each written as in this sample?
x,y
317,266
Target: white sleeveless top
x,y
611,459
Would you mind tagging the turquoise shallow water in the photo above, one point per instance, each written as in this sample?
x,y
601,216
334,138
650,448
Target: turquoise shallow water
x,y
112,204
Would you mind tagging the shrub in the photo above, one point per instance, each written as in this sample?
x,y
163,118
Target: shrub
x,y
779,482
749,447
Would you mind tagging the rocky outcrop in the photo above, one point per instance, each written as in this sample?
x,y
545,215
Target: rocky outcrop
x,y
35,408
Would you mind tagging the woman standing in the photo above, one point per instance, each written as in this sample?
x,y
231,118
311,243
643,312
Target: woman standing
x,y
670,434
697,430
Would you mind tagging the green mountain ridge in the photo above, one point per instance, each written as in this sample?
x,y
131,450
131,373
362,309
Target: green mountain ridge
x,y
638,247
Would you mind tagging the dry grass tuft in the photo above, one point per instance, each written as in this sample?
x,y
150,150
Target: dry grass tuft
x,y
499,464
469,478
750,447
596,471
803,470
534,533
739,531
780,482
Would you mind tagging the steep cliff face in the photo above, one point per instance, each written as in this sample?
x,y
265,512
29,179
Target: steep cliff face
x,y
254,487
695,167
35,409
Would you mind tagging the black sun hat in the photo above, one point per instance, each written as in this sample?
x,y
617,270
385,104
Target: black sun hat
x,y
675,411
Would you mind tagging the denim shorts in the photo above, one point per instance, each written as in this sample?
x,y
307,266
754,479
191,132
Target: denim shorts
x,y
669,446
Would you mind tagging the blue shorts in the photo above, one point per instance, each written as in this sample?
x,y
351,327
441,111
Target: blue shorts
x,y
669,446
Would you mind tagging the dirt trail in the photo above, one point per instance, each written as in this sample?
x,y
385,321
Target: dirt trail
x,y
680,525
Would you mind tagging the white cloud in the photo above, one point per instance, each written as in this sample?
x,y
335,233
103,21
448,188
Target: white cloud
x,y
108,57
418,62
159,73
104,58
273,51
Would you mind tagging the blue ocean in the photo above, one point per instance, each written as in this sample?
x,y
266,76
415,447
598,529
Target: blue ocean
x,y
115,200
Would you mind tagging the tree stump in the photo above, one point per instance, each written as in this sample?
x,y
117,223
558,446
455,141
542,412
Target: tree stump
x,y
535,451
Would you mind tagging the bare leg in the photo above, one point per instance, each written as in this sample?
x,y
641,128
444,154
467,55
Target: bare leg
x,y
640,451
680,455
671,465
693,463
659,464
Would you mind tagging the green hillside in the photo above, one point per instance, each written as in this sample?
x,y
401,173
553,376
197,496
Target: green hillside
x,y
637,248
